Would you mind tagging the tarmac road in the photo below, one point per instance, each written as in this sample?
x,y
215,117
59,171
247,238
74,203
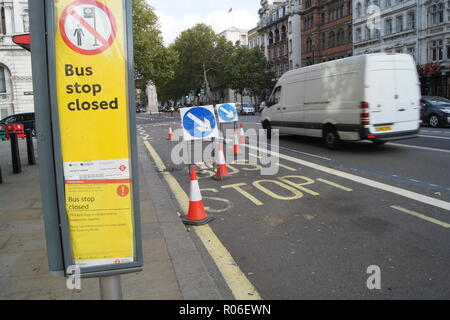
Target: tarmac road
x,y
312,230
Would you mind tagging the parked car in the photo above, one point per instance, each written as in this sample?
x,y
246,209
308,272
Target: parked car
x,y
247,108
27,119
371,97
435,111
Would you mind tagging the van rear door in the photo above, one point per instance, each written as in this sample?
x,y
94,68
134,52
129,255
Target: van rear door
x,y
393,94
407,97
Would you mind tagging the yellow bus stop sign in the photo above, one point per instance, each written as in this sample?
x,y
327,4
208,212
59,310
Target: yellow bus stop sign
x,y
91,76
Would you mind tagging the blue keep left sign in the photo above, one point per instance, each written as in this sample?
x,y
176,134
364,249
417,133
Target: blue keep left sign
x,y
227,113
199,123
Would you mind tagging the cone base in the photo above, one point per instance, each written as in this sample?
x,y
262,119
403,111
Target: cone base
x,y
198,223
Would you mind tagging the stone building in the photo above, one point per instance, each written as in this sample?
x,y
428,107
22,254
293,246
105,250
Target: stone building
x,y
433,55
279,30
327,30
16,88
385,26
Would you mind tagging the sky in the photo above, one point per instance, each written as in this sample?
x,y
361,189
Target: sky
x,y
176,16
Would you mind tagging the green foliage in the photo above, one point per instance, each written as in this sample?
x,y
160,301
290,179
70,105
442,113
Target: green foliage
x,y
153,61
248,72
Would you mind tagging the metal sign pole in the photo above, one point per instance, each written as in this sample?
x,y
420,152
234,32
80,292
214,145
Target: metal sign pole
x,y
111,288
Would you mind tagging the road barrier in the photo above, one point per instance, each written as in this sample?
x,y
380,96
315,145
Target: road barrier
x,y
17,128
242,135
2,133
236,147
170,135
30,148
15,153
197,215
222,169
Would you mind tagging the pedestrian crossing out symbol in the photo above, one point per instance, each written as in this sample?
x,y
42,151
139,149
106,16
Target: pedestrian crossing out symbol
x,y
88,27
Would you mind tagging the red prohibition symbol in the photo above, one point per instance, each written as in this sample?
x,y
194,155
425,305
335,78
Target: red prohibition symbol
x,y
123,191
83,25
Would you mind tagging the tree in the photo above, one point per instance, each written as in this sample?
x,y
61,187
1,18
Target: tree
x,y
248,72
202,59
153,61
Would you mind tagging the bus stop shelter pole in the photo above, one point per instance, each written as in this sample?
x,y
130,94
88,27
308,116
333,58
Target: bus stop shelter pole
x,y
111,288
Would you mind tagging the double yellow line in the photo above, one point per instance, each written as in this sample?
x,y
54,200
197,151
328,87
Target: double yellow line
x,y
238,283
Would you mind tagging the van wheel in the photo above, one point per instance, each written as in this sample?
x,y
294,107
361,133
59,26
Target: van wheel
x,y
379,143
433,121
331,138
268,128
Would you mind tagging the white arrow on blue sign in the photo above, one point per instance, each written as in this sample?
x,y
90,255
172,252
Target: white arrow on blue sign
x,y
199,123
227,113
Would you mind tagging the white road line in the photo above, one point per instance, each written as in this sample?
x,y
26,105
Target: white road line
x,y
419,148
371,183
434,137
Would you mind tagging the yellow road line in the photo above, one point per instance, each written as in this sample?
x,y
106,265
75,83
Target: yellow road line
x,y
335,185
422,216
238,283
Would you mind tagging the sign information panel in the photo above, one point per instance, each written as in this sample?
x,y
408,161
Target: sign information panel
x,y
199,123
91,77
227,113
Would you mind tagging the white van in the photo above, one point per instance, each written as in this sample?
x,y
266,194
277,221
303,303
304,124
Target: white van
x,y
368,97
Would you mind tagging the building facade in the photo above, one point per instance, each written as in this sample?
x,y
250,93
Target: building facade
x,y
327,30
434,47
16,87
279,31
420,28
385,26
239,37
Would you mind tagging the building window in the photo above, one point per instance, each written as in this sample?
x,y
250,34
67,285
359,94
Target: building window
x,y
448,48
358,10
436,50
399,24
358,34
411,20
3,22
308,45
368,34
388,26
332,40
411,51
436,14
2,80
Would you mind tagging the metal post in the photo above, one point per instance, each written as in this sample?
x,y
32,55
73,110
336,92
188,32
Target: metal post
x,y
1,177
15,154
111,288
30,148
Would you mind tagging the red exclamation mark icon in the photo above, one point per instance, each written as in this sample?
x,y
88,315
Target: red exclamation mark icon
x,y
123,191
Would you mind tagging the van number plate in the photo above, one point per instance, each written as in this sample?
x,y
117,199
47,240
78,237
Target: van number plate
x,y
383,129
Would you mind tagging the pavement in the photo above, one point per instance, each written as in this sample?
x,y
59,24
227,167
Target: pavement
x,y
173,266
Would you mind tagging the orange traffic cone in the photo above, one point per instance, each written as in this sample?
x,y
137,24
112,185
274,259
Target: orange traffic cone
x,y
197,215
236,147
170,135
242,135
222,169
